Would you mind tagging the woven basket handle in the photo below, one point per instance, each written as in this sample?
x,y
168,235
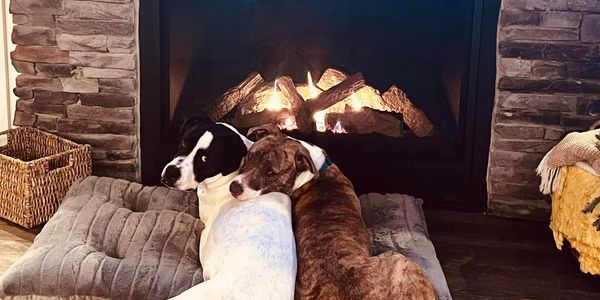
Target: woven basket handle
x,y
56,163
3,138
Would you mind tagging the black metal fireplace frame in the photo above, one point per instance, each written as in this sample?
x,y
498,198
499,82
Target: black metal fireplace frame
x,y
154,101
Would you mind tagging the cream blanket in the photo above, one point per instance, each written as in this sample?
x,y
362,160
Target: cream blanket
x,y
576,147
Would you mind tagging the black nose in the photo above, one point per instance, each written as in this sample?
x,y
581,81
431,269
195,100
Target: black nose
x,y
236,189
171,176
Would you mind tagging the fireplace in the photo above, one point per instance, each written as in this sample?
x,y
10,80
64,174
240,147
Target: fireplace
x,y
399,93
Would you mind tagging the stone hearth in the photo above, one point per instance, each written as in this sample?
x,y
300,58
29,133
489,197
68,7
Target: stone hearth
x,y
548,85
79,77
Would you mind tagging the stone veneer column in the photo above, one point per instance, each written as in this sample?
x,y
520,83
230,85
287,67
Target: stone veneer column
x,y
78,76
548,85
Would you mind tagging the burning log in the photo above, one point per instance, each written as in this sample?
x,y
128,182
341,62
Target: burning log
x,y
364,97
234,96
297,103
336,94
367,121
330,78
261,118
288,89
262,97
414,118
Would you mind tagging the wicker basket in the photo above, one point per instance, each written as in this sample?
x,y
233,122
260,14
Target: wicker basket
x,y
36,171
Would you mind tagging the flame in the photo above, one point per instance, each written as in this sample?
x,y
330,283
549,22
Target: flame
x,y
320,120
275,103
355,102
314,92
338,128
289,124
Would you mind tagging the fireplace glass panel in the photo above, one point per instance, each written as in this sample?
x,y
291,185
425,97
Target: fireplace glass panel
x,y
422,47
440,53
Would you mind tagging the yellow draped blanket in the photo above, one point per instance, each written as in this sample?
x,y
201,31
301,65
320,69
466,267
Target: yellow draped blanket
x,y
577,188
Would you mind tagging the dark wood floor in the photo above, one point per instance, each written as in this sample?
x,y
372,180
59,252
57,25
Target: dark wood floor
x,y
483,257
487,257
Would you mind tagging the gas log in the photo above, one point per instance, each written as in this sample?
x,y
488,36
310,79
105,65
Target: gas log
x,y
297,104
367,121
414,118
257,100
343,100
366,96
234,96
260,118
336,94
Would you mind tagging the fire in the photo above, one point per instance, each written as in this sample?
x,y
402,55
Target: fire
x,y
355,102
320,120
314,92
289,124
320,115
275,103
338,128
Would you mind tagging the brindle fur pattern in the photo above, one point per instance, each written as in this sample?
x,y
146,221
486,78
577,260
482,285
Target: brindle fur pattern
x,y
275,171
333,245
334,251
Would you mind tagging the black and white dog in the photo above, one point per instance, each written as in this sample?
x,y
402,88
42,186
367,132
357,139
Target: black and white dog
x,y
247,248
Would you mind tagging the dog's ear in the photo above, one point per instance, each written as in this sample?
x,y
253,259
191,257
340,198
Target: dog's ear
x,y
232,153
305,168
193,121
258,132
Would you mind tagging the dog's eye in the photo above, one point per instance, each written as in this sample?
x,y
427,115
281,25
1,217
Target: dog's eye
x,y
271,173
204,158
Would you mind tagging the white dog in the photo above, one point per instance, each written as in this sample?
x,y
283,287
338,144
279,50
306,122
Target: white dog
x,y
247,248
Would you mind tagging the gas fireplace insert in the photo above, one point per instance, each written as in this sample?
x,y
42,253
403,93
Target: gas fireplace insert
x,y
398,93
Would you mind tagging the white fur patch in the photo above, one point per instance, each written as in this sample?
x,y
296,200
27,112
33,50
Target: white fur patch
x,y
248,193
185,164
302,179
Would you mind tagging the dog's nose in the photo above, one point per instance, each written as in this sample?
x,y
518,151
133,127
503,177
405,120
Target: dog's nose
x,y
236,188
171,176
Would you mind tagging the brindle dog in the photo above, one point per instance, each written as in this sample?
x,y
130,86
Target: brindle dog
x,y
333,245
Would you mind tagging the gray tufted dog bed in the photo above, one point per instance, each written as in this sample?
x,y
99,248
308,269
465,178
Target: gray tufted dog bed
x,y
112,239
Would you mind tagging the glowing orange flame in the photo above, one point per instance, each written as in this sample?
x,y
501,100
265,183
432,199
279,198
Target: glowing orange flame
x,y
320,115
314,92
338,128
289,124
320,120
355,102
275,103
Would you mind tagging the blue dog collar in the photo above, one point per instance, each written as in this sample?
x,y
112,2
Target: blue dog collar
x,y
325,165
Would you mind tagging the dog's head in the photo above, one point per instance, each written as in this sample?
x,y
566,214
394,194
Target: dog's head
x,y
275,163
207,149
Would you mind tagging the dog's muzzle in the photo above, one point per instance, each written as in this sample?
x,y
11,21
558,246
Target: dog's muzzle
x,y
236,189
170,176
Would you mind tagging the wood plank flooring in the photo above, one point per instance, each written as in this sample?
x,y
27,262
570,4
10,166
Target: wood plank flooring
x,y
487,257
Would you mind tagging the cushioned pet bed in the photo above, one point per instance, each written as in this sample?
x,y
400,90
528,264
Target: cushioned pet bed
x,y
112,239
